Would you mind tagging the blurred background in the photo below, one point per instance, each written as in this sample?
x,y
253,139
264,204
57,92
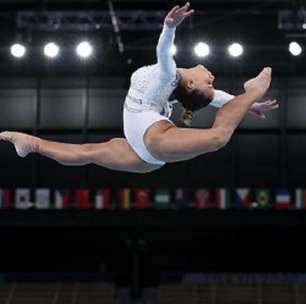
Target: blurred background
x,y
226,227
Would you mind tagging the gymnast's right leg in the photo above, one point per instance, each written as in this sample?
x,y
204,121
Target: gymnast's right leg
x,y
115,154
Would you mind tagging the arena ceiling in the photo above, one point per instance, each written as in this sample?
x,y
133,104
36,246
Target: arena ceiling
x,y
225,4
144,1
254,23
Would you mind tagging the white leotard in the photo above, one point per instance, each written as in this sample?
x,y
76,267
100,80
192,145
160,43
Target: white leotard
x,y
220,98
151,86
147,98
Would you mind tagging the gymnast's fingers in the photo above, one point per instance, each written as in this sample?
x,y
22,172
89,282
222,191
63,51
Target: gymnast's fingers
x,y
187,14
183,9
174,9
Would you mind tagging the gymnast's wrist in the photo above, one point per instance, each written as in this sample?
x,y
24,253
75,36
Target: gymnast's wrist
x,y
168,27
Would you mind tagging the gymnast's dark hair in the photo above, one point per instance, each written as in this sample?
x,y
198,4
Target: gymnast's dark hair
x,y
191,101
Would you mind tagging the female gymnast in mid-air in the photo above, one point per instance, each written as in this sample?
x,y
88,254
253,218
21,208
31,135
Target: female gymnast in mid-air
x,y
151,138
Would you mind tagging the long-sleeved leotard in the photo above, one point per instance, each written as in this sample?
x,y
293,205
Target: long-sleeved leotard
x,y
164,58
220,98
147,98
151,86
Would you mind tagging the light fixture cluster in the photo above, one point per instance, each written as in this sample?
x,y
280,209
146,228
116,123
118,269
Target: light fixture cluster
x,y
235,50
201,49
51,50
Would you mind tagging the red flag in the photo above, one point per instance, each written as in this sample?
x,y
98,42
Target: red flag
x,y
7,199
142,198
201,196
82,199
106,198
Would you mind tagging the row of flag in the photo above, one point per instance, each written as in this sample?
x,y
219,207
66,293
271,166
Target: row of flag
x,y
144,198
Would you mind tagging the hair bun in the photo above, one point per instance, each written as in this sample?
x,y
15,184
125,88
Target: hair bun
x,y
187,117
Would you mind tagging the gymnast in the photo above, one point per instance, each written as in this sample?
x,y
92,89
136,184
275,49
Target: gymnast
x,y
151,138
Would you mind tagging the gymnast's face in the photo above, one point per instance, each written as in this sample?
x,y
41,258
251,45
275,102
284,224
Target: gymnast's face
x,y
202,79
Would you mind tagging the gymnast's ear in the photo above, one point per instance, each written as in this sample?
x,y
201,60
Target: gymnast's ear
x,y
190,84
187,116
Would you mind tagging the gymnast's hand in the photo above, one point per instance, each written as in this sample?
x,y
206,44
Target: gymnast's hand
x,y
259,108
177,15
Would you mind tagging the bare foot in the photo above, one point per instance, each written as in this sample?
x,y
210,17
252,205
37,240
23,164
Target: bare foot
x,y
260,84
24,144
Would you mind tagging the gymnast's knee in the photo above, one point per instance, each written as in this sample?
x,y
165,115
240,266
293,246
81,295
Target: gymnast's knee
x,y
91,153
99,153
221,138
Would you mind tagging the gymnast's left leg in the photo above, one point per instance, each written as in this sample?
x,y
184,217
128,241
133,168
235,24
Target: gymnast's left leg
x,y
171,144
115,154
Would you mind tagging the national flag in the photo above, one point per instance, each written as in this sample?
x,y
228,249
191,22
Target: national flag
x,y
62,199
142,198
113,201
202,198
300,198
22,198
182,198
282,199
162,198
263,198
42,198
222,198
102,198
125,198
1,199
82,200
7,198
242,198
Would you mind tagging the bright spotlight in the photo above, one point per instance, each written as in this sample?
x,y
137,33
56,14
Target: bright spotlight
x,y
202,49
51,50
295,48
84,49
304,26
173,50
18,50
235,49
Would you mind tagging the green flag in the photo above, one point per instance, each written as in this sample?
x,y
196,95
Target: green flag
x,y
263,198
162,198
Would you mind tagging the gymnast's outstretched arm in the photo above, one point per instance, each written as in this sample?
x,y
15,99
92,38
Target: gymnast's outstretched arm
x,y
164,58
166,39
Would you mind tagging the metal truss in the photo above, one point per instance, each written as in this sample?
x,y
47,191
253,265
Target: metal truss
x,y
134,20
292,20
124,20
